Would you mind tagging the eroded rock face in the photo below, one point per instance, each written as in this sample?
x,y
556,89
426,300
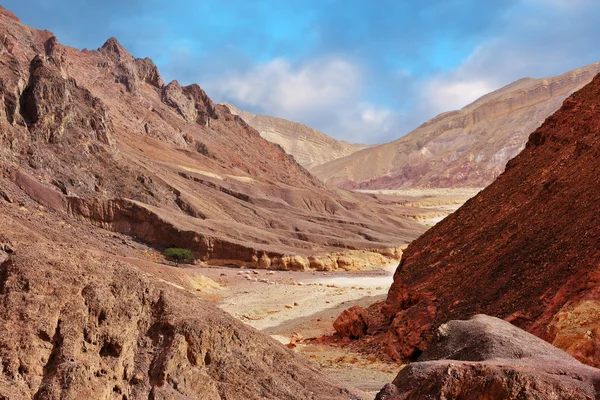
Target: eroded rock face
x,y
526,249
487,358
191,103
465,148
130,71
53,103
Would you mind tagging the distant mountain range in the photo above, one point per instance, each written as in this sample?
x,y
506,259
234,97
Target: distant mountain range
x,y
309,147
465,148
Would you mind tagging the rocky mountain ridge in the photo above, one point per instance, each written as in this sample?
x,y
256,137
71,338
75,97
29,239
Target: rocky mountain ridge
x,y
98,135
465,148
309,147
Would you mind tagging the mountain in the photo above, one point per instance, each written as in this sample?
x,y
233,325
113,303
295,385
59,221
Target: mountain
x,y
308,146
525,249
465,148
98,136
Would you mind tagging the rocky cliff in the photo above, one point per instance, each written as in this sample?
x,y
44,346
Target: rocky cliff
x,y
99,137
465,148
308,146
526,249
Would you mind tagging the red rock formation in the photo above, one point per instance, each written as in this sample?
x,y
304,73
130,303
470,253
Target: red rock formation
x,y
487,358
526,249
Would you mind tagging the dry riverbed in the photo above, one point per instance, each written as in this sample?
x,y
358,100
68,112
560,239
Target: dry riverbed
x,y
442,202
285,304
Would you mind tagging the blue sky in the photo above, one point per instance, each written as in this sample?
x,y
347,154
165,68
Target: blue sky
x,y
360,70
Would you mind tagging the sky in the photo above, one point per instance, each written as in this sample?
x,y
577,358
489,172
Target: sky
x,y
364,71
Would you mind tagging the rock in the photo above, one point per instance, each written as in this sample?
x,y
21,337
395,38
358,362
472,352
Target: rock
x,y
264,261
148,72
294,340
352,323
323,263
53,106
173,96
130,71
489,358
4,196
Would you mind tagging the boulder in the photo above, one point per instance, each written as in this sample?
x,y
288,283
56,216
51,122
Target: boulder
x,y
352,323
488,358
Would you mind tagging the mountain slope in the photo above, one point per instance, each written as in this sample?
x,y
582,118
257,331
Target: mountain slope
x,y
308,146
98,136
78,321
465,148
526,249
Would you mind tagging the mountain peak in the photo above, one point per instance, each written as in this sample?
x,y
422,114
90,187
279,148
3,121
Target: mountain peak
x,y
112,46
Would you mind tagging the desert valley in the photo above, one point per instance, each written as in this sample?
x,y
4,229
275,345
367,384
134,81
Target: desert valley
x,y
156,244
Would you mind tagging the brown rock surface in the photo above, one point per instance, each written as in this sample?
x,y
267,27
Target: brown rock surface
x,y
352,323
97,135
309,147
487,358
79,323
465,148
526,249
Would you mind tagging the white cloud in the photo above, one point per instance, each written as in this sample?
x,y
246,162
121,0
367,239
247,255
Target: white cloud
x,y
286,90
323,93
451,93
372,114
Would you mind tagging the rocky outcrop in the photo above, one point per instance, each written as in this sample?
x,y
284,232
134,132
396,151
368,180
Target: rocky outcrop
x,y
173,96
308,146
525,249
487,358
53,103
465,148
352,323
130,71
191,103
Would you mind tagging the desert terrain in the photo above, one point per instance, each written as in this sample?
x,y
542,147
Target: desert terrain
x,y
157,245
